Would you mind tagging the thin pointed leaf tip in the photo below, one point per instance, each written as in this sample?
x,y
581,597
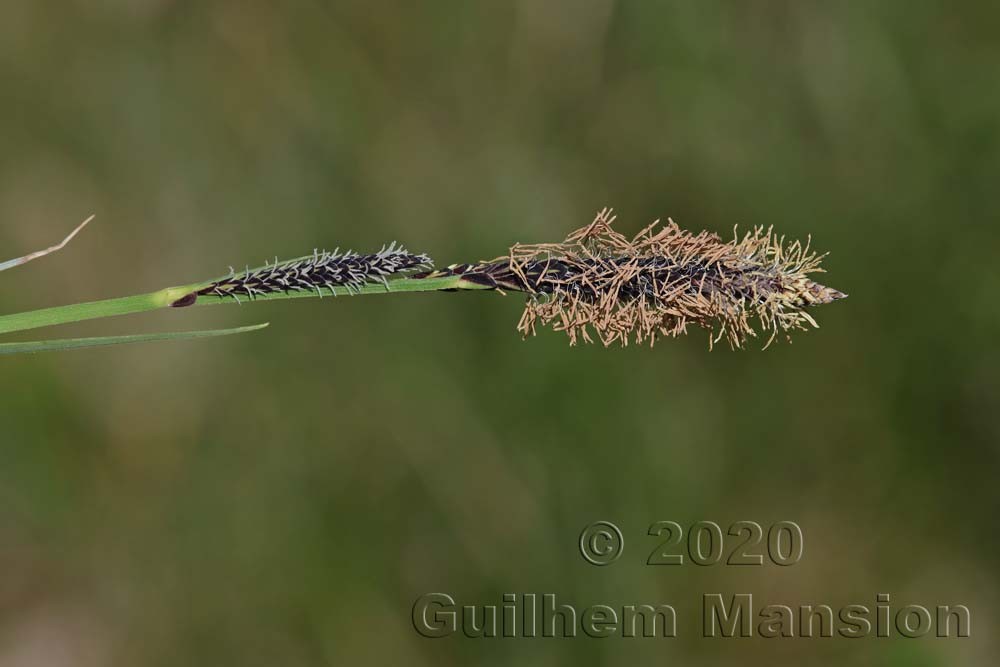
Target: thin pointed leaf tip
x,y
11,263
660,282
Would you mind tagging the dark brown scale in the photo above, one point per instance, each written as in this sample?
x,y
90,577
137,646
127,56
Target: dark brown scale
x,y
556,275
321,271
185,301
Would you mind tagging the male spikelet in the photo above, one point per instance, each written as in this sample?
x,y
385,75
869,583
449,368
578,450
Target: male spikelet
x,y
658,283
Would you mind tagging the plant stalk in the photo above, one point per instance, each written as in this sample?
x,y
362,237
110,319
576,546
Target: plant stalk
x,y
164,298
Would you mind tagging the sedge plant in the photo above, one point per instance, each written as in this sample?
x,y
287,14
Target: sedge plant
x,y
595,285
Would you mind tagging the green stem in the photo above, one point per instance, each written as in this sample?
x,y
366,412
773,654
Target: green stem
x,y
78,312
164,298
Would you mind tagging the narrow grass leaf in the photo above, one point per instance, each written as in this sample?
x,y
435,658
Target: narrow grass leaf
x,y
79,343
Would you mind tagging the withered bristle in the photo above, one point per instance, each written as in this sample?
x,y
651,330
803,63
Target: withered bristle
x,y
318,272
659,282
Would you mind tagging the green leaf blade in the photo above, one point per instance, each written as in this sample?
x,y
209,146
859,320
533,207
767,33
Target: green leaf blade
x,y
32,347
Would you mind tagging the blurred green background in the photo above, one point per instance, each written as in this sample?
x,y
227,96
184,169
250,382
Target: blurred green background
x,y
284,497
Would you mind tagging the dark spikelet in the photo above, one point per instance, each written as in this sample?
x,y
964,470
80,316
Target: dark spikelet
x,y
318,272
658,283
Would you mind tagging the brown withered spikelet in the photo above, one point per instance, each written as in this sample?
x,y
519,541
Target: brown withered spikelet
x,y
660,282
